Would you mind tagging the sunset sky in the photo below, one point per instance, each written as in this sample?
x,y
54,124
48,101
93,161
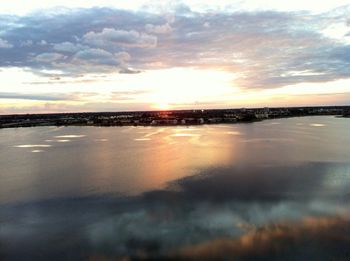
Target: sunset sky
x,y
70,56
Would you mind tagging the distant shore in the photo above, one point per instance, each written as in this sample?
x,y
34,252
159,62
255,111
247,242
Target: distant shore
x,y
167,118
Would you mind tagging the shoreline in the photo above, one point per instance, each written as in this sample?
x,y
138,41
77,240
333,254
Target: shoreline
x,y
33,125
168,118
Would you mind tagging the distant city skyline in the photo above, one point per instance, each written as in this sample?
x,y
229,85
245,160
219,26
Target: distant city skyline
x,y
73,56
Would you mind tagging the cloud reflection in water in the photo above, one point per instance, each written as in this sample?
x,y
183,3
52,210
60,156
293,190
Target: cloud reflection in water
x,y
276,212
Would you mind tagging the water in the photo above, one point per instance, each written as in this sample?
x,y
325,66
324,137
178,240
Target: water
x,y
273,189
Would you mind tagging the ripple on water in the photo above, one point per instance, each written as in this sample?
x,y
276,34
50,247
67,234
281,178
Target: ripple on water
x,y
185,129
317,125
102,140
62,141
142,139
70,136
33,146
37,151
233,133
185,135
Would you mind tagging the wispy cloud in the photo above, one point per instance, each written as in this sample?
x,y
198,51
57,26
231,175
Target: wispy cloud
x,y
36,97
78,96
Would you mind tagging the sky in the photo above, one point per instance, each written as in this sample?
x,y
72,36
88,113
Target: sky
x,y
72,56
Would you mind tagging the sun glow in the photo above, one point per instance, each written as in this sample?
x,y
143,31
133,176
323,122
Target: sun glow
x,y
162,106
166,89
174,87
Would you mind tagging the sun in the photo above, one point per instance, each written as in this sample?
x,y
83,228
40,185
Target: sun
x,y
162,106
162,100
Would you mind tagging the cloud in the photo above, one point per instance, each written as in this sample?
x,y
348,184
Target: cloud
x,y
74,96
42,43
68,47
262,49
158,29
123,56
129,71
27,43
48,57
36,97
126,95
96,56
47,106
110,36
5,44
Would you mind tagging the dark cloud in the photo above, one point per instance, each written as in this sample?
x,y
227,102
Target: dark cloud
x,y
263,49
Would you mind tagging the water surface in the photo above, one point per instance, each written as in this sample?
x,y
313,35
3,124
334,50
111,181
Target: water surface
x,y
274,189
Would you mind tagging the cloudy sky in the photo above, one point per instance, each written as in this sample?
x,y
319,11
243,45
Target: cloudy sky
x,y
109,55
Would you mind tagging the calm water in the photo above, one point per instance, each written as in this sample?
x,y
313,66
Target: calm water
x,y
277,189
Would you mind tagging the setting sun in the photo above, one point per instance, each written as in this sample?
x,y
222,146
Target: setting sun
x,y
161,106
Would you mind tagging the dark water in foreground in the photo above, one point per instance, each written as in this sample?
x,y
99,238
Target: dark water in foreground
x,y
277,189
